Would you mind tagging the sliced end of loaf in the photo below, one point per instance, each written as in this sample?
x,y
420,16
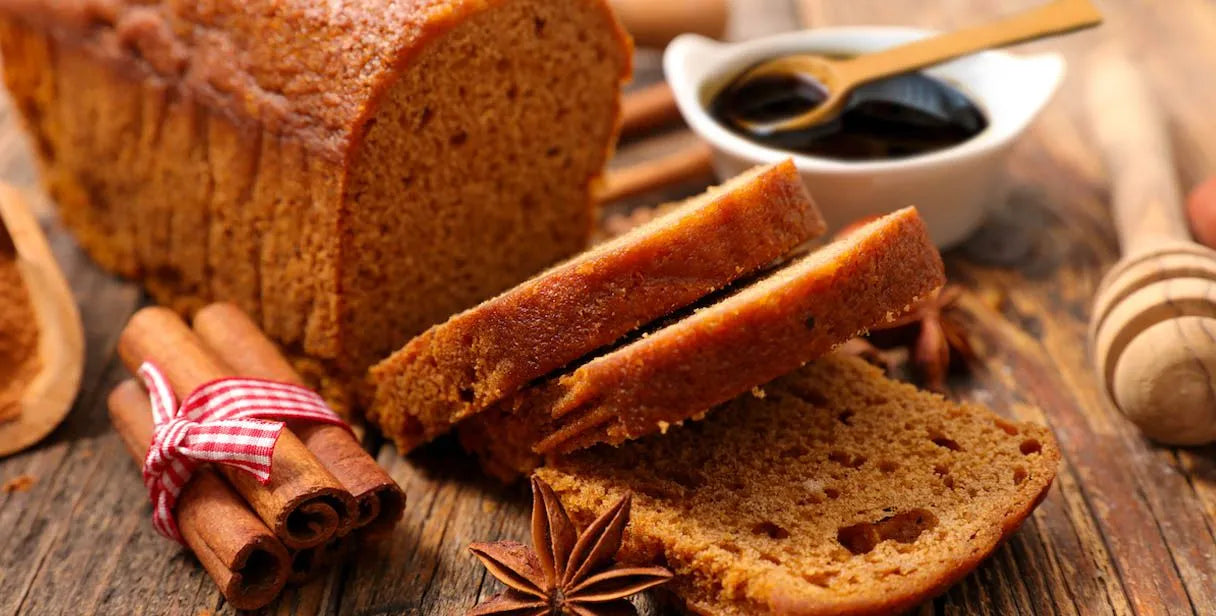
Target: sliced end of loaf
x,y
759,333
832,491
476,169
484,354
719,351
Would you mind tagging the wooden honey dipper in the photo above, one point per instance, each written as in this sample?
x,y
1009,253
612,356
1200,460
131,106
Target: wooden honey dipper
x,y
1153,329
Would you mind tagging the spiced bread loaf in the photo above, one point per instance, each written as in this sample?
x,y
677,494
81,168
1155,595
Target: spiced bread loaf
x,y
478,357
720,350
831,491
348,173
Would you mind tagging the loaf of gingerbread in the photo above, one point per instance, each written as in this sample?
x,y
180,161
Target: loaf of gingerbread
x,y
348,173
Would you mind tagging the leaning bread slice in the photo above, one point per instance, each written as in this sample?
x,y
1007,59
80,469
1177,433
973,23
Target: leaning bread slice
x,y
837,491
765,330
488,352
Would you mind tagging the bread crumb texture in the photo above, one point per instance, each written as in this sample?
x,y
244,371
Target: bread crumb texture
x,y
838,492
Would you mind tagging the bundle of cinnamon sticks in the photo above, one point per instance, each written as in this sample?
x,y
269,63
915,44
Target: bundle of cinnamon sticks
x,y
325,491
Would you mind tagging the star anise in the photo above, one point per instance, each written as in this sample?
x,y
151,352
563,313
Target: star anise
x,y
563,573
936,337
936,334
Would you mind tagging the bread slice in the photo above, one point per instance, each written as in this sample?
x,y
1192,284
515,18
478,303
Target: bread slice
x,y
491,351
718,352
832,491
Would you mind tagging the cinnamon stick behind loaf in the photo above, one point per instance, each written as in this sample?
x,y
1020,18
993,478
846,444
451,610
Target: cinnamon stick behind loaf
x,y
303,503
239,552
647,108
239,342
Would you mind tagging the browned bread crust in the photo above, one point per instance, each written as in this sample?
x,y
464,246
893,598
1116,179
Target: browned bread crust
x,y
294,67
347,176
834,491
719,351
491,351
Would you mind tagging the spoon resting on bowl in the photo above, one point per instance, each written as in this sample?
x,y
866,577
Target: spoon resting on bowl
x,y
48,395
836,78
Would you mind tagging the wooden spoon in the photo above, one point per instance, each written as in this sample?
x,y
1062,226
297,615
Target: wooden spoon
x,y
839,77
48,397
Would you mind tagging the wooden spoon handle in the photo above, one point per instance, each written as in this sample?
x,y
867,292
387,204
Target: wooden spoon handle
x,y
1057,17
1131,132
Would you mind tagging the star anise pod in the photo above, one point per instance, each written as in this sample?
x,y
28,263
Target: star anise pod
x,y
937,336
564,572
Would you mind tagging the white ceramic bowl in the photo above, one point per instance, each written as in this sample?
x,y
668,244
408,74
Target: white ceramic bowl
x,y
953,188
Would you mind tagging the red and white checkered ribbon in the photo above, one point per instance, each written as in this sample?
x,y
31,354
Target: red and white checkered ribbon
x,y
233,421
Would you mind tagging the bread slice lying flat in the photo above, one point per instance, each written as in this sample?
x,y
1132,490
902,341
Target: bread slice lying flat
x,y
491,351
834,491
678,372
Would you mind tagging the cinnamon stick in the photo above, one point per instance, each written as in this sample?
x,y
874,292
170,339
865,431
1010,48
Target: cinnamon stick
x,y
685,164
238,551
238,341
647,108
302,503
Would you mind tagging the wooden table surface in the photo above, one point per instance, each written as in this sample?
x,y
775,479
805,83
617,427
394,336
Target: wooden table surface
x,y
1127,529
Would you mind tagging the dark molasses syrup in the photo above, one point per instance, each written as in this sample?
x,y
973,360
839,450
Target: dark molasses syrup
x,y
896,117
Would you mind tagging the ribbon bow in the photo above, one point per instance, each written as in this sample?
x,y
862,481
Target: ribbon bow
x,y
232,421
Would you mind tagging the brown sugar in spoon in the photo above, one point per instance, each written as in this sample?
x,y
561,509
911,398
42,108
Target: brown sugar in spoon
x,y
1153,328
838,77
48,396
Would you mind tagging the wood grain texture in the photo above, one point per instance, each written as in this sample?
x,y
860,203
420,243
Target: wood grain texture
x,y
1128,528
